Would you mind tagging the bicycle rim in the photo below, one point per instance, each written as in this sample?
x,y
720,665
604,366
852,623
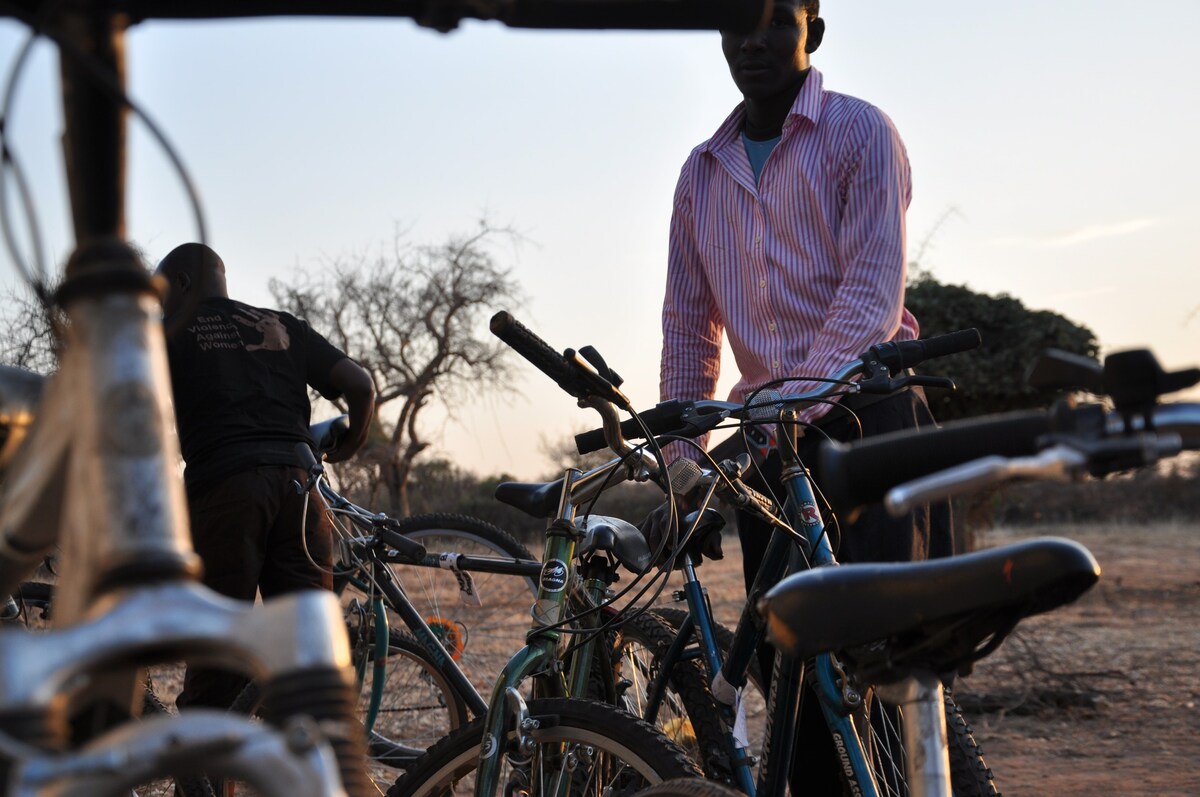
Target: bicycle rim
x,y
417,707
594,749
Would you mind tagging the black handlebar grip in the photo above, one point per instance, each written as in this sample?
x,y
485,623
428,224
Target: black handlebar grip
x,y
740,16
533,348
898,355
410,549
660,419
857,474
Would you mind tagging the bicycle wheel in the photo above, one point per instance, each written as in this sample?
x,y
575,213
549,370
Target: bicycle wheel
x,y
418,706
639,646
879,727
480,634
602,750
689,787
701,706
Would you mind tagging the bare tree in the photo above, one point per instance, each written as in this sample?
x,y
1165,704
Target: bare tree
x,y
414,317
31,329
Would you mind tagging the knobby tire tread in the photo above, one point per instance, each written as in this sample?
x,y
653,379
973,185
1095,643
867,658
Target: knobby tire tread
x,y
457,755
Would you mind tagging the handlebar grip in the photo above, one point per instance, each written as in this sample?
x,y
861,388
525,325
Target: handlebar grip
x,y
305,454
660,419
553,364
741,16
856,474
410,549
898,355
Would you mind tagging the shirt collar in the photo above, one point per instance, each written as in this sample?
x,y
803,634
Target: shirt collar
x,y
806,105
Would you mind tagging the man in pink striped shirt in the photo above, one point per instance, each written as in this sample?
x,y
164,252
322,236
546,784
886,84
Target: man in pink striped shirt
x,y
788,234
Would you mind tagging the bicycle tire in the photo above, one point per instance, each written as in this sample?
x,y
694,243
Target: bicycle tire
x,y
594,739
419,706
701,707
639,647
879,731
970,776
480,638
690,787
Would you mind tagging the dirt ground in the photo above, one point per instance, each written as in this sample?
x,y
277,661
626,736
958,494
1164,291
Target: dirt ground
x,y
1107,705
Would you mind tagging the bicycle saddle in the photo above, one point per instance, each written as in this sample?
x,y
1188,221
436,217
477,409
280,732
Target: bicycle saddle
x,y
328,433
618,537
537,500
939,615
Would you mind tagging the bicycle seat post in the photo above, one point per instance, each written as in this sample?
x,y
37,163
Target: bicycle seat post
x,y
924,717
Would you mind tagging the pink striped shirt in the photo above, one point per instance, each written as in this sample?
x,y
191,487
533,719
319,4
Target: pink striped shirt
x,y
805,270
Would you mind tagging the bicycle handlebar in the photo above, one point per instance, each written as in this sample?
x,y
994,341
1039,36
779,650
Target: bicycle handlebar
x,y
672,417
537,351
857,474
734,15
911,467
901,354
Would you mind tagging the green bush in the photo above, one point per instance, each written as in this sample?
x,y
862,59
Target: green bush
x,y
991,378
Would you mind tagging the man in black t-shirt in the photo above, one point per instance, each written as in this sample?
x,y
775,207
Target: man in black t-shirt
x,y
240,377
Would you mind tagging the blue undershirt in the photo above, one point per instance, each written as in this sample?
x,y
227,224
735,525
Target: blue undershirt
x,y
757,152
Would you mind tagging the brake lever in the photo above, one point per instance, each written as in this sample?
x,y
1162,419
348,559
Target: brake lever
x,y
881,384
590,381
590,354
924,380
696,423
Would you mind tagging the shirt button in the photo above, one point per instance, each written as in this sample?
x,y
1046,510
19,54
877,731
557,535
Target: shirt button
x,y
758,239
762,283
775,365
771,327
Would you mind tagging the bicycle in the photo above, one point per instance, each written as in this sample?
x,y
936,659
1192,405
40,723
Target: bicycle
x,y
590,382
908,624
552,742
618,675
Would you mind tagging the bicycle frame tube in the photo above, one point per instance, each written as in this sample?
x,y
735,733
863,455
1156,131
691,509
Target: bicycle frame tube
x,y
700,614
398,602
540,651
805,516
383,642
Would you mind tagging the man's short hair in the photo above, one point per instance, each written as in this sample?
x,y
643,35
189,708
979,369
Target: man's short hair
x,y
813,7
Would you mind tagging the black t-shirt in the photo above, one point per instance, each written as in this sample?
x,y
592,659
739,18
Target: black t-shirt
x,y
240,377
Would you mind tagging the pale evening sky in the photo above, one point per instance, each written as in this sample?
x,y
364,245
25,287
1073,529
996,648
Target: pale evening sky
x,y
1063,132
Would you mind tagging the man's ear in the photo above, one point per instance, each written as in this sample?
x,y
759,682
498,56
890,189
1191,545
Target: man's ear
x,y
816,32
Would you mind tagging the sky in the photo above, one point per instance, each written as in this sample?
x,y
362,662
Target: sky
x,y
1053,147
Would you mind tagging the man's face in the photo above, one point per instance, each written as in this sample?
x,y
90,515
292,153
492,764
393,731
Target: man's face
x,y
769,60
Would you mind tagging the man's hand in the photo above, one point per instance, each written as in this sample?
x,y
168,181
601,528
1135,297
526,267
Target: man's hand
x,y
658,527
355,384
